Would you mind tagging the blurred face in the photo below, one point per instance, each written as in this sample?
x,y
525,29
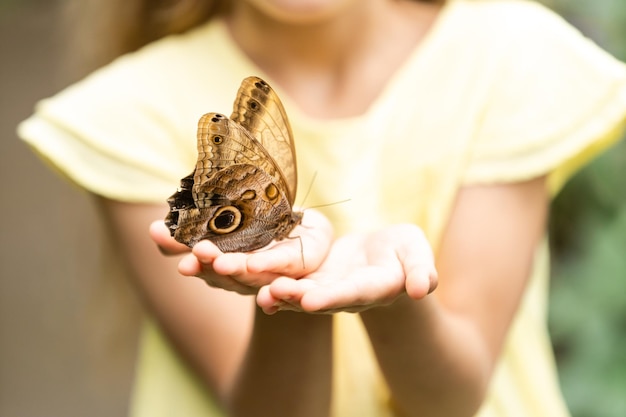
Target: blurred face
x,y
301,11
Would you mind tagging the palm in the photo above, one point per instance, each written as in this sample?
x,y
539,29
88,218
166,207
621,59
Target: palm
x,y
361,272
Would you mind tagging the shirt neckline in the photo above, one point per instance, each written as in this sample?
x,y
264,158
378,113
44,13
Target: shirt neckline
x,y
299,118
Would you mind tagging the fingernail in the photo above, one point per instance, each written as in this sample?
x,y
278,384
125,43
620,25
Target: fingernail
x,y
279,305
271,310
433,281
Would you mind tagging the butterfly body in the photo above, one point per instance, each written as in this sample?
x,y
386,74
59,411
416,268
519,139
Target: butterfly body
x,y
240,195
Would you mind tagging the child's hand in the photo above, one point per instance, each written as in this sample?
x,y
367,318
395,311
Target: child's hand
x,y
361,272
245,273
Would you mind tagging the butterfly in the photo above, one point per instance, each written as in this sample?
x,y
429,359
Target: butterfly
x,y
241,193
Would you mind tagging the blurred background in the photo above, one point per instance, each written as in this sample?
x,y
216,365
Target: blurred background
x,y
68,335
588,235
68,322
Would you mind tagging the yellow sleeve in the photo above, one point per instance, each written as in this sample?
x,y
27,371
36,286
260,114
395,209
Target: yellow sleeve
x,y
557,101
112,134
128,131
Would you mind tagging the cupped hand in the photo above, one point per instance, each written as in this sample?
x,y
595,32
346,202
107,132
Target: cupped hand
x,y
298,255
362,271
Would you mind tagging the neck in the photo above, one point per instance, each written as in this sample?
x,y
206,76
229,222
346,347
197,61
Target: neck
x,y
282,46
332,66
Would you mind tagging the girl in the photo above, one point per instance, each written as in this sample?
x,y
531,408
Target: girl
x,y
448,126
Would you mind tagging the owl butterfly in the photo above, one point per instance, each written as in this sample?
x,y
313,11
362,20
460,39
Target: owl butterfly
x,y
241,193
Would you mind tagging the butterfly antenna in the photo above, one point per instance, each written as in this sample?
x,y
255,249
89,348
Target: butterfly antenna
x,y
308,190
329,204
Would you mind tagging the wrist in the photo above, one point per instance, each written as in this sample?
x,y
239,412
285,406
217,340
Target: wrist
x,y
402,310
294,324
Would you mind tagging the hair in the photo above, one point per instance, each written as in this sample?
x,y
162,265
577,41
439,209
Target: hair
x,y
102,30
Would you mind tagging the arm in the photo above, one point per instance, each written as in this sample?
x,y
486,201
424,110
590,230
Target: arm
x,y
449,342
287,370
278,364
192,314
437,351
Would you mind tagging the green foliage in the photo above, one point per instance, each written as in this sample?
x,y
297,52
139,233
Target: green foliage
x,y
588,236
602,20
588,318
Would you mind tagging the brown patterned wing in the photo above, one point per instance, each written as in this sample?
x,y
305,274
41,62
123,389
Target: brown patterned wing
x,y
239,196
240,209
259,110
222,143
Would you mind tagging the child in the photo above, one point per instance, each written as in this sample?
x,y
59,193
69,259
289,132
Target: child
x,y
448,126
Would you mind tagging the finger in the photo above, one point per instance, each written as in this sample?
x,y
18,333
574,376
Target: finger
x,y
266,301
361,289
206,251
284,258
199,260
295,256
341,295
227,283
271,305
406,246
421,280
299,254
189,266
236,265
160,234
291,290
418,264
232,264
271,261
284,294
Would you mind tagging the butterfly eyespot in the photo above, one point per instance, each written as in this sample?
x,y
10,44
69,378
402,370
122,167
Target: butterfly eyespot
x,y
248,195
262,85
225,220
217,139
253,105
271,191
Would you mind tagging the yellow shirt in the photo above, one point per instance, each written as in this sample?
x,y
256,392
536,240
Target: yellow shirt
x,y
499,91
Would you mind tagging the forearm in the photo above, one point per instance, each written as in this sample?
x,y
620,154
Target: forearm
x,y
287,369
435,362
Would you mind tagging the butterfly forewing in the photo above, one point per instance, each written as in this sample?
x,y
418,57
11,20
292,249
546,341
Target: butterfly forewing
x,y
222,143
259,110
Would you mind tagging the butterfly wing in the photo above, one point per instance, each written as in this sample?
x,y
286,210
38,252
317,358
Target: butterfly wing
x,y
223,142
239,209
259,110
239,196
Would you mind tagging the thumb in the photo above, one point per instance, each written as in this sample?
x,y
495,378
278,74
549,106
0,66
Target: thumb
x,y
160,234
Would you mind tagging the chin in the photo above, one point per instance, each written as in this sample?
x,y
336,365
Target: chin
x,y
301,11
